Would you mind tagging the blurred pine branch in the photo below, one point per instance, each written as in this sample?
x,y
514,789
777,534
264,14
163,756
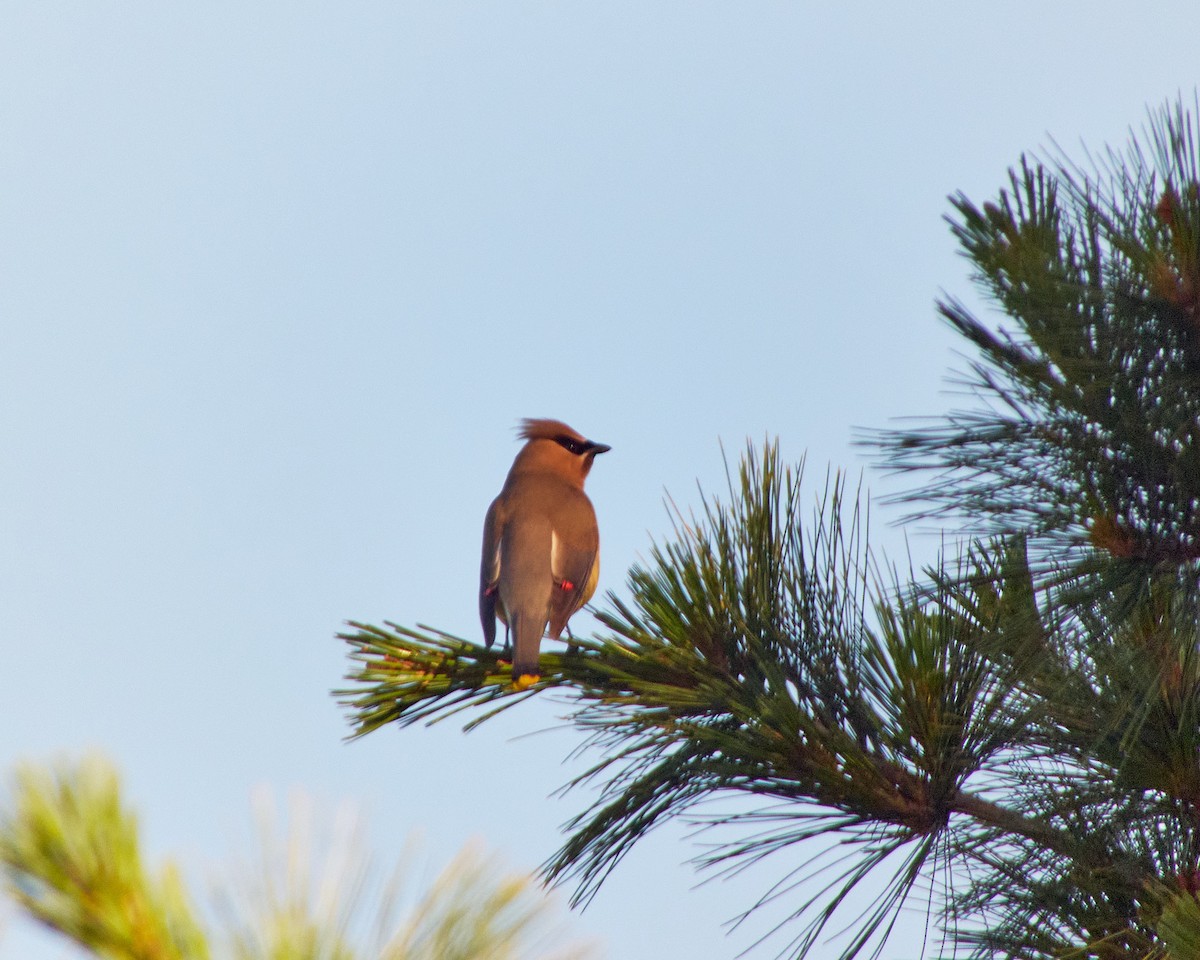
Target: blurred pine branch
x,y
70,857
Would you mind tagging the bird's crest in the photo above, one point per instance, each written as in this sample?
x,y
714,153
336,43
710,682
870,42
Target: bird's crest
x,y
544,429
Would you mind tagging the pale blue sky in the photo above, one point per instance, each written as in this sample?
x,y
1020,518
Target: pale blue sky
x,y
277,279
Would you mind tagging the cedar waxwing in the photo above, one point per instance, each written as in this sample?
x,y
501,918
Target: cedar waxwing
x,y
540,542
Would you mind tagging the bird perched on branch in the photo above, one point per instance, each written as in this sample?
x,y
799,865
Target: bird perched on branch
x,y
540,543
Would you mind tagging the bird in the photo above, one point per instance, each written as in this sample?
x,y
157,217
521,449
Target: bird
x,y
541,543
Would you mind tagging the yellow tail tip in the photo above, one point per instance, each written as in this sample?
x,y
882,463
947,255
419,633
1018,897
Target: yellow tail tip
x,y
526,680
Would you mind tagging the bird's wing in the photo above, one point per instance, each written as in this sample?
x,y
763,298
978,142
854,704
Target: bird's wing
x,y
572,562
489,569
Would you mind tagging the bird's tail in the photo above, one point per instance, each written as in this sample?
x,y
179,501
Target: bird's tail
x,y
527,629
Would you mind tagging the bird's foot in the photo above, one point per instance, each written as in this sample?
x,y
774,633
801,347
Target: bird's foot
x,y
526,680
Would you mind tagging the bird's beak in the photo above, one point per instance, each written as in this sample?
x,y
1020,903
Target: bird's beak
x,y
595,448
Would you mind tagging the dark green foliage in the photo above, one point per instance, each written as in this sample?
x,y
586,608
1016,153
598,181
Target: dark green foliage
x,y
1093,417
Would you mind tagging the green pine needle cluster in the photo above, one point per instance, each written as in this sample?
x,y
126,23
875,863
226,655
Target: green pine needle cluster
x,y
1089,433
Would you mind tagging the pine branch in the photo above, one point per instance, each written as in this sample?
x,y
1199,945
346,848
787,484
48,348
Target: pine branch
x,y
1088,434
746,664
406,676
1019,730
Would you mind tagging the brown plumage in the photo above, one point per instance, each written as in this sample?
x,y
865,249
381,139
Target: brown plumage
x,y
540,542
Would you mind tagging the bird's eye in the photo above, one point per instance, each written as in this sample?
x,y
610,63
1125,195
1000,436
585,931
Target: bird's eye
x,y
570,443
